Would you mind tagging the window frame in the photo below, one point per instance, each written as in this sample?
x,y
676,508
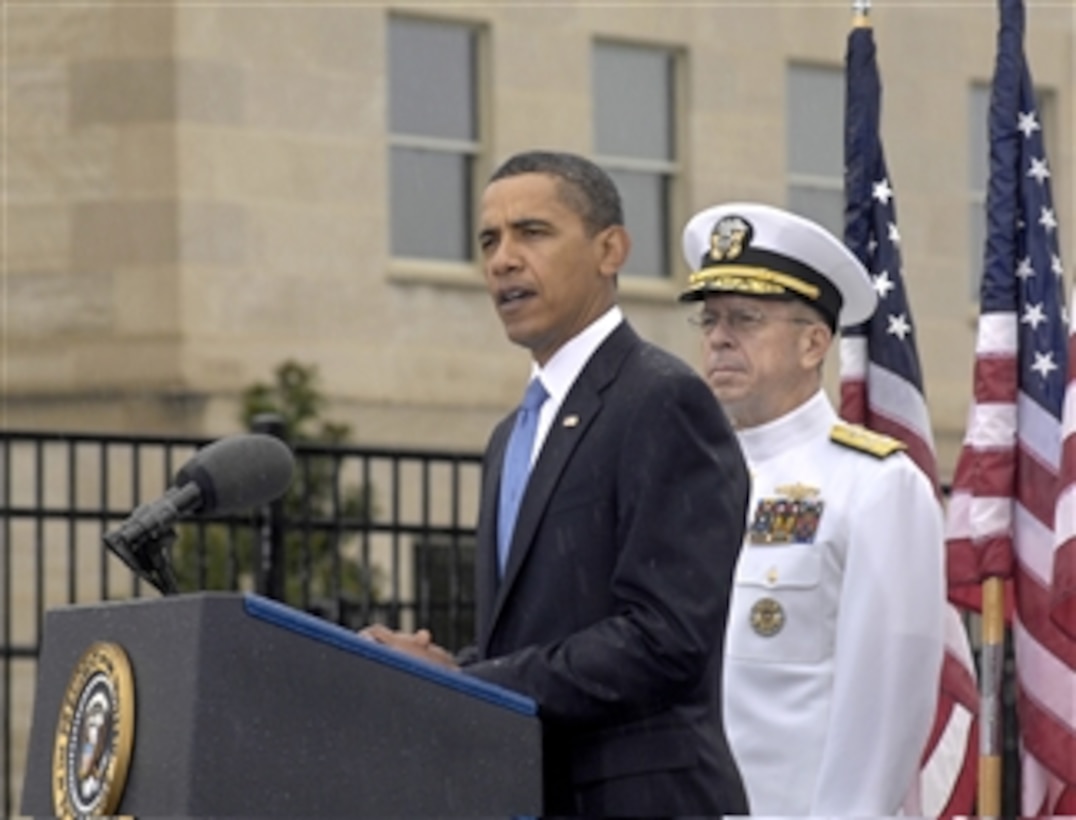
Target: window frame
x,y
808,181
475,152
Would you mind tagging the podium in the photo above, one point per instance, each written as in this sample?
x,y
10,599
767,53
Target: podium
x,y
220,704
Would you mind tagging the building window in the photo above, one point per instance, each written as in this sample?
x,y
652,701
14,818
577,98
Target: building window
x,y
979,170
634,93
433,139
815,140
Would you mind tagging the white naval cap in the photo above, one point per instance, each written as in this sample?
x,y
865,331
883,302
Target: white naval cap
x,y
759,250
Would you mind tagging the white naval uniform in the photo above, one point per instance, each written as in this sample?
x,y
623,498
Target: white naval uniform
x,y
830,714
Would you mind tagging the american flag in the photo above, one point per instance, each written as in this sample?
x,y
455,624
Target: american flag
x,y
1011,477
882,388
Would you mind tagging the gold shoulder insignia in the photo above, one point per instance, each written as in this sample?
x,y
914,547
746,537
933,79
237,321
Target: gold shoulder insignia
x,y
864,440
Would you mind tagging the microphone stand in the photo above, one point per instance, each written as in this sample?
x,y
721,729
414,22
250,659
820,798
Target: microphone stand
x,y
156,554
150,561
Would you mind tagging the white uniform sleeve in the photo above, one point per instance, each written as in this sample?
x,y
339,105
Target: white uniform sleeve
x,y
889,645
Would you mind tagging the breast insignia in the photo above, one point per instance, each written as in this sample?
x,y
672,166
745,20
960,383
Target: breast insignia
x,y
867,441
798,491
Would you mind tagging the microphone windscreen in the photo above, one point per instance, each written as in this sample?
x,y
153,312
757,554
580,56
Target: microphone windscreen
x,y
239,472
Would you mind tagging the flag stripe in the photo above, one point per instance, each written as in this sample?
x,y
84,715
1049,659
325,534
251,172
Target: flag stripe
x,y
1037,490
996,338
991,473
895,397
1034,608
1036,545
995,381
942,780
1054,749
992,425
1040,433
1063,599
1063,587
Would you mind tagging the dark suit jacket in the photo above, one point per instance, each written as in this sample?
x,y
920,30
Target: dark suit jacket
x,y
611,614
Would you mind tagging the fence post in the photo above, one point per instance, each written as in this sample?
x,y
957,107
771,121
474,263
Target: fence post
x,y
271,571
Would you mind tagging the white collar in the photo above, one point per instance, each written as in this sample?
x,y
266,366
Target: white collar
x,y
811,419
561,371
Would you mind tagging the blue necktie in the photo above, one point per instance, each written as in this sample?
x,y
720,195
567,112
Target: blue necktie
x,y
517,467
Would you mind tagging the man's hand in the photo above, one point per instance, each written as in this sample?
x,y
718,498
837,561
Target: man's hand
x,y
416,644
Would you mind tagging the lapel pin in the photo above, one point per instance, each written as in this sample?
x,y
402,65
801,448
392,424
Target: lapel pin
x,y
570,421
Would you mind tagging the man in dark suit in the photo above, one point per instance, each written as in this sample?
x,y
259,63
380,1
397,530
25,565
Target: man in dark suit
x,y
609,609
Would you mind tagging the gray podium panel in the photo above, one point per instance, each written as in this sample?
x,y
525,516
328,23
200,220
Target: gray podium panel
x,y
247,707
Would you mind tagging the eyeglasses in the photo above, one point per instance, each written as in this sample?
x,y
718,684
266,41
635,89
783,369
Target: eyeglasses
x,y
740,321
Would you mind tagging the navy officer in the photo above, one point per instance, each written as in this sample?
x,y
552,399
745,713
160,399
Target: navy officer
x,y
835,632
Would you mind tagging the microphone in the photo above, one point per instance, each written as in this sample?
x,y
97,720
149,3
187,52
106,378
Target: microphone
x,y
230,475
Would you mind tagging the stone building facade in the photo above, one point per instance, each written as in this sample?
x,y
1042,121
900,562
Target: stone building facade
x,y
195,193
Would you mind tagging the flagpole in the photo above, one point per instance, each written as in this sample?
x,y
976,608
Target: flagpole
x,y
990,673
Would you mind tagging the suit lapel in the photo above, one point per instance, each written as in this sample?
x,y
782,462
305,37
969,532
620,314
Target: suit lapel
x,y
577,413
486,580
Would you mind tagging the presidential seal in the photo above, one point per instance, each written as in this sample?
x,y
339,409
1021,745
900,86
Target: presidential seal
x,y
94,735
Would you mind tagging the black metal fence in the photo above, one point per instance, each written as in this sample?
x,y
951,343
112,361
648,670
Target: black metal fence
x,y
364,534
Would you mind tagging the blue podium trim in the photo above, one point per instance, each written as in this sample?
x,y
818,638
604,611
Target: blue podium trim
x,y
302,623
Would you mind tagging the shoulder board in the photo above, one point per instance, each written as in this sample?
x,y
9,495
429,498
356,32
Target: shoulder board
x,y
864,440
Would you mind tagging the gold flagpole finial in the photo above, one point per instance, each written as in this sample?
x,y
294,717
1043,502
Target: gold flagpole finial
x,y
860,11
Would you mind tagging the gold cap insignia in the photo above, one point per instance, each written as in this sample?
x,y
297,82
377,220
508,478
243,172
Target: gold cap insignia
x,y
730,236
